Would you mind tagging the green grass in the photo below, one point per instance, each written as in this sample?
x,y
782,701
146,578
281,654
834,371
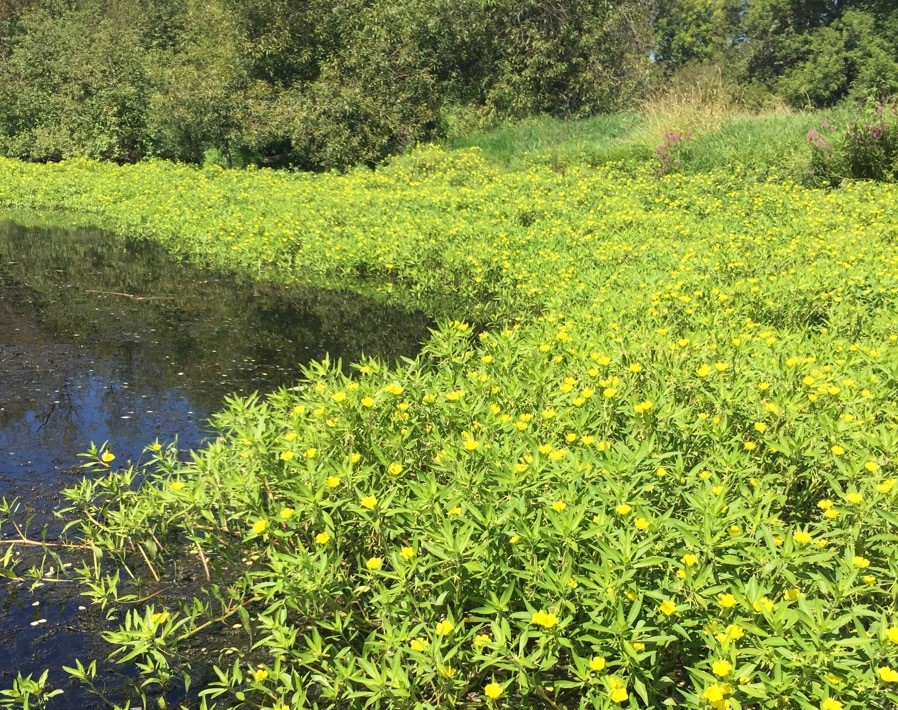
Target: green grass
x,y
762,143
777,140
513,144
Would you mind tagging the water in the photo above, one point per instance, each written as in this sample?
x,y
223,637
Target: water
x,y
108,339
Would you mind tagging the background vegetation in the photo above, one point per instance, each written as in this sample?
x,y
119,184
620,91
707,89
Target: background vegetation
x,y
328,84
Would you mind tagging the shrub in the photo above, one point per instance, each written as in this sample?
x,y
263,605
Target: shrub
x,y
867,149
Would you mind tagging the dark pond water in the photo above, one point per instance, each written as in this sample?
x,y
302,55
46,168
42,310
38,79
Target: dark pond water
x,y
105,338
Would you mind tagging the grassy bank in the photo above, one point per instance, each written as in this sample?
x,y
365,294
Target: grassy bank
x,y
664,473
767,143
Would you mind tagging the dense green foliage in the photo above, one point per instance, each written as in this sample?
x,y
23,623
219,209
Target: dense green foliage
x,y
326,84
663,472
865,148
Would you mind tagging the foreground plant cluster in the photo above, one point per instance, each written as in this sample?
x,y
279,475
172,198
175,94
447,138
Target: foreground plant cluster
x,y
649,461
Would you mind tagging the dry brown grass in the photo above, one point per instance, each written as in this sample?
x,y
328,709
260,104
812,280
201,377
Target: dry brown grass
x,y
696,104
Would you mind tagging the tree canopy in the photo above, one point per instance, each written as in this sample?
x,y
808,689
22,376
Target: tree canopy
x,y
329,83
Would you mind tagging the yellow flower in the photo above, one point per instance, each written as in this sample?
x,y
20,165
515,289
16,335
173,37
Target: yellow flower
x,y
667,607
825,504
689,559
160,617
447,671
286,513
871,466
892,634
763,604
868,579
760,427
727,601
715,693
597,663
704,371
832,513
559,506
837,450
471,444
260,526
637,645
734,631
802,537
260,674
792,595
635,367
854,498
368,502
374,563
514,539
108,457
722,668
419,644
617,690
482,640
332,481
355,457
643,407
860,562
641,524
322,538
609,392
311,452
830,704
444,628
623,509
177,486
721,366
887,674
394,389
493,690
339,396
407,553
454,511
886,486
395,469
367,401
750,446
541,618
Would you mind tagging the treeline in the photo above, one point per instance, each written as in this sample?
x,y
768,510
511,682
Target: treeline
x,y
329,83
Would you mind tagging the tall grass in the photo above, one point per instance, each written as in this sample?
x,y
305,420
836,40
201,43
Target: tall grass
x,y
511,144
723,129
